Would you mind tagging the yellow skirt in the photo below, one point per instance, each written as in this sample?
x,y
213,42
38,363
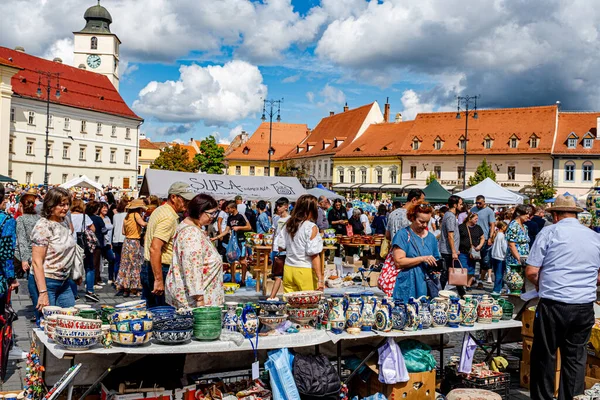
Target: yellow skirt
x,y
296,279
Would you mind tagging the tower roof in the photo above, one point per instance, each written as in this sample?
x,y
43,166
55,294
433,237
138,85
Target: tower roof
x,y
97,19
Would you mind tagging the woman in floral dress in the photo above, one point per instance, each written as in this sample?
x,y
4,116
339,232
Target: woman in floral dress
x,y
132,255
196,275
517,237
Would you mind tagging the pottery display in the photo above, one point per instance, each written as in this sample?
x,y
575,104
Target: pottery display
x,y
484,310
172,337
413,320
268,239
77,332
271,307
130,339
50,310
304,298
399,315
593,201
230,319
439,311
353,317
69,311
131,326
424,312
257,239
76,343
50,326
207,323
248,322
514,279
454,312
337,313
88,313
329,233
507,309
303,316
71,322
135,305
230,288
469,311
367,311
272,322
106,337
496,311
383,316
105,313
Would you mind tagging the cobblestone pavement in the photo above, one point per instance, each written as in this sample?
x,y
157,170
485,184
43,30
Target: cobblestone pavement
x,y
22,333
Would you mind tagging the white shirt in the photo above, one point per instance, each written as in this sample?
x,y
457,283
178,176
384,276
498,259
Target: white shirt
x,y
500,246
77,221
363,219
300,249
278,223
241,208
109,231
224,215
118,220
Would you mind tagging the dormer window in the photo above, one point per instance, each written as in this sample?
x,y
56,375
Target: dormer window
x,y
462,143
246,150
416,143
533,142
488,142
572,143
299,149
337,142
326,144
437,145
513,142
309,147
588,143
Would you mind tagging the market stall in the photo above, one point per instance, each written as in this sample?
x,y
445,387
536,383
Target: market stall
x,y
82,182
494,193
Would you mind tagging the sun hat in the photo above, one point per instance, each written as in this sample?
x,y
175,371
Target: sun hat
x,y
137,203
565,204
182,189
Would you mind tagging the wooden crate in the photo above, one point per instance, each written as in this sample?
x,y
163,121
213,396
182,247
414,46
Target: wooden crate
x,y
421,386
525,378
527,319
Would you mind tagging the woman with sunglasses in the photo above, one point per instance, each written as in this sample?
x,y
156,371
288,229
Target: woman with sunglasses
x,y
195,278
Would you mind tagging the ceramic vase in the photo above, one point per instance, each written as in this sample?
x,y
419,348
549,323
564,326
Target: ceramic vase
x,y
424,313
412,312
454,312
248,322
230,319
368,311
399,316
337,310
496,311
353,317
439,311
514,279
484,311
383,316
468,311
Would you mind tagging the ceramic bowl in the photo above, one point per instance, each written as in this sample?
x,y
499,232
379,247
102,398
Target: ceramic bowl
x,y
207,333
69,311
131,305
162,310
175,323
70,322
129,315
78,332
272,307
303,299
272,321
230,288
303,313
140,325
172,337
76,343
131,339
51,320
83,307
50,310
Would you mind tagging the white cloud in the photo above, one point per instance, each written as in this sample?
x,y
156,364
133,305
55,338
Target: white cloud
x,y
310,96
413,104
215,94
291,79
172,130
62,48
126,68
332,96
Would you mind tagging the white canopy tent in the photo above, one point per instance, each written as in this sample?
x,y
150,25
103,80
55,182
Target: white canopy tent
x,y
494,193
271,188
327,193
82,182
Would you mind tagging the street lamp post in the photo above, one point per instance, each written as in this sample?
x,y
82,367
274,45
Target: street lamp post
x,y
49,76
466,102
272,104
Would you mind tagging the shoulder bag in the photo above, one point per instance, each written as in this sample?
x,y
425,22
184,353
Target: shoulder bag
x,y
474,254
458,276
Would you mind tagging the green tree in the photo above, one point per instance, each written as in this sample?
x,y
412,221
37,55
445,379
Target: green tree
x,y
174,158
544,189
432,177
484,170
211,156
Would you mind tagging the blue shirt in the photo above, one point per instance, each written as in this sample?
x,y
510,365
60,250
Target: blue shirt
x,y
568,255
486,217
262,223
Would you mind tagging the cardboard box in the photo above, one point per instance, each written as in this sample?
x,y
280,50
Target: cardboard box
x,y
373,277
525,378
421,385
527,320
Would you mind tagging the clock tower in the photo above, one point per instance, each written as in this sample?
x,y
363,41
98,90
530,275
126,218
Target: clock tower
x,y
96,47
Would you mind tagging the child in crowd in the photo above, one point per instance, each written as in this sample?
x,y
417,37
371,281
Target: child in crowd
x,y
499,250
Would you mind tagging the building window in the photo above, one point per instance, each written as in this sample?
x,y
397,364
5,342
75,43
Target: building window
x,y
64,178
536,172
111,181
413,172
238,170
437,170
51,121
30,144
114,131
10,146
533,142
31,118
266,171
587,143
363,175
113,155
341,175
98,156
94,43
128,133
460,170
462,144
570,171
572,143
588,171
98,128
252,170
81,153
84,126
379,173
12,115
513,143
276,171
97,178
415,144
66,148
127,157
511,172
394,176
67,124
352,176
28,177
487,143
49,149
438,144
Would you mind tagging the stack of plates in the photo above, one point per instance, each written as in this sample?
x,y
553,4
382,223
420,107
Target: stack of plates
x,y
207,323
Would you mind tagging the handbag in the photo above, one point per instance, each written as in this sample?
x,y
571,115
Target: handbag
x,y
278,263
385,248
87,239
7,243
78,270
388,275
458,276
474,254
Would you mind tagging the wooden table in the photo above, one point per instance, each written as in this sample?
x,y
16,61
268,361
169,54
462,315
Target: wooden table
x,y
261,268
322,255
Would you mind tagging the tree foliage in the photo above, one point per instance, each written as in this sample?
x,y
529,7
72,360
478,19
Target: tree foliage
x,y
174,158
484,170
544,189
211,156
432,177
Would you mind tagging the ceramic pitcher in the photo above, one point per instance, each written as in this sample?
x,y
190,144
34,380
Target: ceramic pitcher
x,y
230,319
337,310
248,322
424,313
353,318
383,316
412,311
484,310
368,310
496,311
399,315
468,310
439,311
454,312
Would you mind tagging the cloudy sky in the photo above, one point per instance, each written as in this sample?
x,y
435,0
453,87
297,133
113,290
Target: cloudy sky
x,y
197,67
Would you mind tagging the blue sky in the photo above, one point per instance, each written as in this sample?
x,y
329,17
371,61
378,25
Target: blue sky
x,y
197,67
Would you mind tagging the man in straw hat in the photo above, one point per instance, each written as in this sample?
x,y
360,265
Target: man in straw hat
x,y
563,264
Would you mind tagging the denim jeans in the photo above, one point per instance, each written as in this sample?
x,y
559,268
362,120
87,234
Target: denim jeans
x,y
486,257
109,255
73,286
60,293
499,267
467,262
34,294
90,273
117,249
147,278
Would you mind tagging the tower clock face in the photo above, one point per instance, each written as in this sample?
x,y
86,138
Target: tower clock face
x,y
93,61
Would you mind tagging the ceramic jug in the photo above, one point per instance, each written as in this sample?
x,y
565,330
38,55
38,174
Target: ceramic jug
x,y
368,310
507,309
383,316
496,311
337,310
353,318
230,319
424,313
412,312
468,310
454,312
484,310
248,322
399,315
439,311
513,279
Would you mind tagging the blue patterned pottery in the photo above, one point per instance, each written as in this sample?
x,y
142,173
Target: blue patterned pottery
x,y
413,322
439,311
337,318
424,313
78,332
353,315
367,310
271,307
399,315
454,312
383,316
230,319
172,337
76,343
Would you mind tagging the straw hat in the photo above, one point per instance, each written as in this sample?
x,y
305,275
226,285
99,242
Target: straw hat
x,y
137,203
31,191
565,204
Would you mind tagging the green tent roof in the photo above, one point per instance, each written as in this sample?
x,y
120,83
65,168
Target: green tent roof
x,y
6,179
434,193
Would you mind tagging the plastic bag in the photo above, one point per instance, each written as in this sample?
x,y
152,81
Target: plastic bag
x,y
417,356
281,378
233,248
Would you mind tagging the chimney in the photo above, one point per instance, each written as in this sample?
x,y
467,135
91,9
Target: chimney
x,y
398,117
386,110
58,60
331,113
20,49
346,107
308,130
81,66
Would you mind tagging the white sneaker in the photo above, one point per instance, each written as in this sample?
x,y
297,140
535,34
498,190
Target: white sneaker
x,y
110,282
98,287
489,279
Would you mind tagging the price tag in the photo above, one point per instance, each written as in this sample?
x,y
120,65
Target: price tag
x,y
255,370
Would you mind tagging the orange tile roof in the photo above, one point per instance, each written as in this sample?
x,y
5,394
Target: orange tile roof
x,y
223,146
146,144
498,124
161,145
344,125
379,140
284,138
579,123
190,149
8,63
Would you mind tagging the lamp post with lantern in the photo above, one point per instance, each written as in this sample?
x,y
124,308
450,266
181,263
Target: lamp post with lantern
x,y
273,106
48,86
466,102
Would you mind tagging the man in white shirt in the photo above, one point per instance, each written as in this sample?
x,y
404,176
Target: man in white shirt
x,y
241,207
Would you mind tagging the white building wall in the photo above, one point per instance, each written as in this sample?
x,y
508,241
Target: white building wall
x,y
108,51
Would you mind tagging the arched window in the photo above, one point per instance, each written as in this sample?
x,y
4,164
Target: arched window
x,y
94,43
588,171
570,171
